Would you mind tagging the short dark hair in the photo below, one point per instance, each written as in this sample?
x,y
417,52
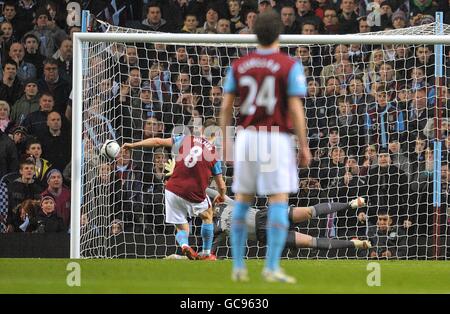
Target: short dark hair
x,y
26,161
153,4
46,94
9,61
268,27
50,61
29,35
31,141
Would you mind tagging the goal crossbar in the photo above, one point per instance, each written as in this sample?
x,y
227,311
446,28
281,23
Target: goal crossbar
x,y
251,39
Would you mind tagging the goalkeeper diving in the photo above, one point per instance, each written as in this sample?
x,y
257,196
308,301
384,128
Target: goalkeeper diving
x,y
257,221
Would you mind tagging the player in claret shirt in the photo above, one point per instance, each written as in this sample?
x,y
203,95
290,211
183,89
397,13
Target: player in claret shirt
x,y
185,195
269,85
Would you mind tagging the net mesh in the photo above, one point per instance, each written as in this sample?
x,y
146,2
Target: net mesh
x,y
371,113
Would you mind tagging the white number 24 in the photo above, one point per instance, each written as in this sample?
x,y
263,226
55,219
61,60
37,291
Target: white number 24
x,y
258,96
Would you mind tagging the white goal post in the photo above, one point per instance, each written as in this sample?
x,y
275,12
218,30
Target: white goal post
x,y
86,90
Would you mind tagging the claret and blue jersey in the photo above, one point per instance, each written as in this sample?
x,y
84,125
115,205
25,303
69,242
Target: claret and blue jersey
x,y
264,80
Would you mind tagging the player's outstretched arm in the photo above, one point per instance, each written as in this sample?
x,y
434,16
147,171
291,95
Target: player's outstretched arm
x,y
149,142
221,187
213,194
300,214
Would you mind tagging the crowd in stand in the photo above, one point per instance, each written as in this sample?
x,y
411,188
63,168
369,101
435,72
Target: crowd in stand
x,y
369,109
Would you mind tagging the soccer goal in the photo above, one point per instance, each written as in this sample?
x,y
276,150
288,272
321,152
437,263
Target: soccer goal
x,y
377,114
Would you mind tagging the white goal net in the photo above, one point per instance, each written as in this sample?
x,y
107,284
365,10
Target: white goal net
x,y
377,126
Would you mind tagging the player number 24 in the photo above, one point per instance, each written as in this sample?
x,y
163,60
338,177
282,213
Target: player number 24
x,y
258,96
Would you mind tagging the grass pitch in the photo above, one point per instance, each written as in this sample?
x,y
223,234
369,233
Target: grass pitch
x,y
207,277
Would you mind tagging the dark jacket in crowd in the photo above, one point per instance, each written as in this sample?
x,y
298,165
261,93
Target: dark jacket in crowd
x,y
56,149
11,94
8,155
48,223
36,122
17,193
60,91
393,239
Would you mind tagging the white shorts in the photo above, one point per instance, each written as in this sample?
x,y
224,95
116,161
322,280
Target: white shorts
x,y
178,209
264,163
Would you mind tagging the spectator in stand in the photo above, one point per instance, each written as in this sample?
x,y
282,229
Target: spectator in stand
x,y
398,156
418,113
250,19
150,106
305,13
10,87
21,189
212,17
399,19
25,70
64,58
340,53
26,214
315,113
223,26
383,119
128,188
154,21
349,124
42,166
309,28
56,142
26,10
61,195
388,241
55,85
9,13
422,7
388,186
57,14
46,219
32,53
190,24
376,59
8,155
264,6
348,19
180,61
288,20
5,122
211,104
332,170
130,60
19,136
234,12
359,98
207,74
48,37
6,39
330,21
26,104
36,121
363,26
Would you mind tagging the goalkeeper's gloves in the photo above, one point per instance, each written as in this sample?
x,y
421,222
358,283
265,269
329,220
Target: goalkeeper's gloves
x,y
169,166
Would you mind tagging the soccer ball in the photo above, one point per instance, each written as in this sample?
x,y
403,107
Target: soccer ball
x,y
110,149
